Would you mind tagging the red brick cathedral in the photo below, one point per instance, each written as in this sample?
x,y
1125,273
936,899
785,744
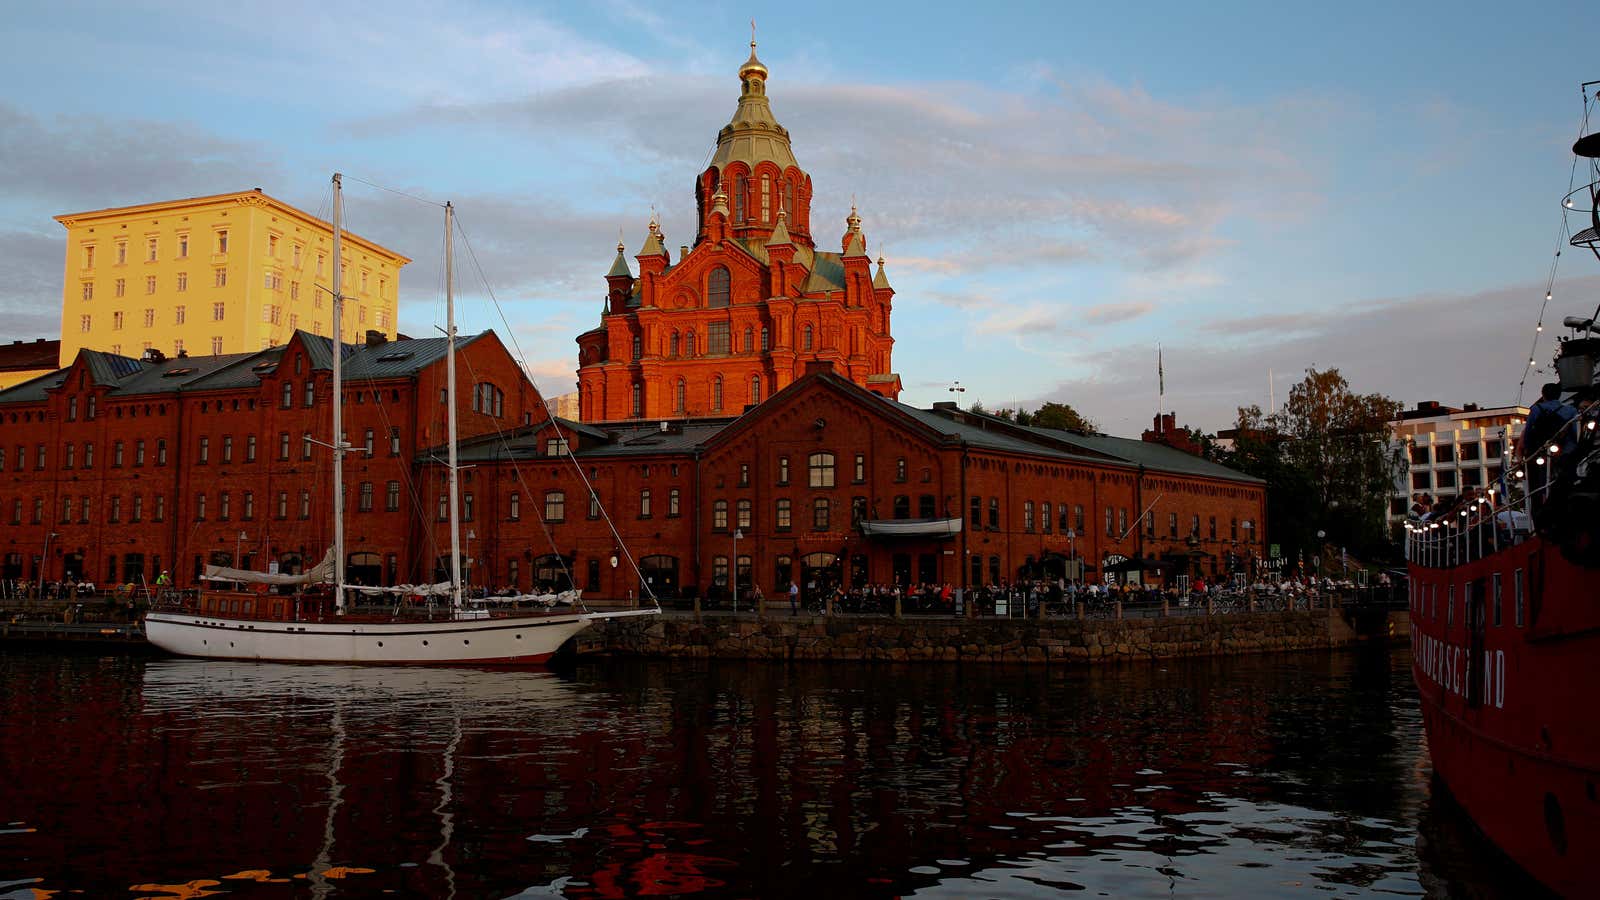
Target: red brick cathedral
x,y
735,320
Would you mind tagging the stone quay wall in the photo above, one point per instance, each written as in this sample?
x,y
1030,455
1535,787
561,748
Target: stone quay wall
x,y
1062,641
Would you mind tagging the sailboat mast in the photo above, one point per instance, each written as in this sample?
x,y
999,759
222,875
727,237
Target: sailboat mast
x,y
450,390
338,396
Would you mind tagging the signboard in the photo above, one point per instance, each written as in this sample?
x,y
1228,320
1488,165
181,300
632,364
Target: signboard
x,y
1274,551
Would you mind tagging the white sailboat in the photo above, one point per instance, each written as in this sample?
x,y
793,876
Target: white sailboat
x,y
305,628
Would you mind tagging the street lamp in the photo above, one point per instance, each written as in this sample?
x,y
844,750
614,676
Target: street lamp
x,y
44,561
957,388
238,547
736,535
468,552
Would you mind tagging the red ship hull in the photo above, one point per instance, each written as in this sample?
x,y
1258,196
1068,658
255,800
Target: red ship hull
x,y
1505,652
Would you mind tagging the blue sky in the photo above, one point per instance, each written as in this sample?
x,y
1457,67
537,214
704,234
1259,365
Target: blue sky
x,y
1056,187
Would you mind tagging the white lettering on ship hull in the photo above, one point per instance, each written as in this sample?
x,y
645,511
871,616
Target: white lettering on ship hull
x,y
1450,666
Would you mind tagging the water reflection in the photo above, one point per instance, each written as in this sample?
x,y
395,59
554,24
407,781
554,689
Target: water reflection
x,y
1257,776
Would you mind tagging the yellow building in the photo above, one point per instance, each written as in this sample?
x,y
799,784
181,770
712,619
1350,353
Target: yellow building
x,y
230,273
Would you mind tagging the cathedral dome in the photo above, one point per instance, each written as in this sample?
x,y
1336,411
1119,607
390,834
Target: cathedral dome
x,y
754,136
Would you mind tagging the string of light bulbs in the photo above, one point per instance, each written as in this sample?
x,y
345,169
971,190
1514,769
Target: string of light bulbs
x,y
1563,233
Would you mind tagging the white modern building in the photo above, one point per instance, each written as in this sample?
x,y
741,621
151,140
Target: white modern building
x,y
1452,449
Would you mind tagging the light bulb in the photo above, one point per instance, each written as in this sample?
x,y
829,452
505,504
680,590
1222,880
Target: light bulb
x,y
1538,328
1569,203
1590,425
1547,295
1539,461
1554,450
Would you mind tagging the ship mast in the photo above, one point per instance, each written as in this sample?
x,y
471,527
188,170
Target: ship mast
x,y
338,397
450,390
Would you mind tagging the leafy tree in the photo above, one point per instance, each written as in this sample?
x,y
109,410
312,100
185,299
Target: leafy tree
x,y
1060,415
1328,464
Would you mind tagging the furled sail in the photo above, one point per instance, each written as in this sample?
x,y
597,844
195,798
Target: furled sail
x,y
322,571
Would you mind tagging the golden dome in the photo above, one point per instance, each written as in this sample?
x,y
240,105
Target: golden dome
x,y
752,66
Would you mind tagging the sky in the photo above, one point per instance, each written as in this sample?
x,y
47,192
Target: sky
x,y
1057,188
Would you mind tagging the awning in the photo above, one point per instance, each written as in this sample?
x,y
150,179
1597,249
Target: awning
x,y
911,528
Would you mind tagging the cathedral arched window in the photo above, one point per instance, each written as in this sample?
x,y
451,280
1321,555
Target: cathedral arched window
x,y
741,187
766,339
680,396
788,200
638,347
806,340
749,339
755,389
766,198
717,288
673,345
688,344
638,399
716,393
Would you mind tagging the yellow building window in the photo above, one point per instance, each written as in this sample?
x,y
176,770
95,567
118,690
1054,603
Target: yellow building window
x,y
88,290
122,253
218,311
179,314
183,282
216,350
272,245
183,246
83,323
150,250
222,241
149,320
150,284
222,278
116,321
121,286
88,256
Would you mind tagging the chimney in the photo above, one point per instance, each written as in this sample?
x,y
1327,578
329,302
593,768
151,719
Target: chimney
x,y
376,338
819,367
946,405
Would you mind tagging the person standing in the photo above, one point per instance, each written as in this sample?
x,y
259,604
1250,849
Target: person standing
x,y
794,598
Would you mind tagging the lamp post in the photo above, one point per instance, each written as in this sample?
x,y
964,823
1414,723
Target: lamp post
x,y
44,561
238,547
736,535
467,552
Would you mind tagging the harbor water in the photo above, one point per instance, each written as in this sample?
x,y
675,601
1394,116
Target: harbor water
x,y
1278,775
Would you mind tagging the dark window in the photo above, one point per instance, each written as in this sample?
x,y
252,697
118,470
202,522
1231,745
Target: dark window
x,y
902,506
994,513
717,288
820,508
717,338
925,506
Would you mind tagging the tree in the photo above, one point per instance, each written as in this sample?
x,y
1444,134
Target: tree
x,y
1327,461
1062,416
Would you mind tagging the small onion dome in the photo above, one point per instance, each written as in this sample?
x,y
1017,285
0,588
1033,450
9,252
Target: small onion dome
x,y
752,66
853,221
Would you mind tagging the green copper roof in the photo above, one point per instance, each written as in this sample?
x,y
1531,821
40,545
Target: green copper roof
x,y
881,280
780,234
619,266
754,136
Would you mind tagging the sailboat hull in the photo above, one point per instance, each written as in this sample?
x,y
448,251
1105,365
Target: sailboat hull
x,y
518,640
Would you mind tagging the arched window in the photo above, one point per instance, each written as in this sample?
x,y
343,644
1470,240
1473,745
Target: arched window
x,y
638,399
672,346
688,343
679,396
638,347
717,288
820,467
749,339
716,393
740,186
805,343
766,339
788,200
755,388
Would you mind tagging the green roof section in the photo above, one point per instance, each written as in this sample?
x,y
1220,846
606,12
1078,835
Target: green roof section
x,y
619,266
1151,455
780,234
